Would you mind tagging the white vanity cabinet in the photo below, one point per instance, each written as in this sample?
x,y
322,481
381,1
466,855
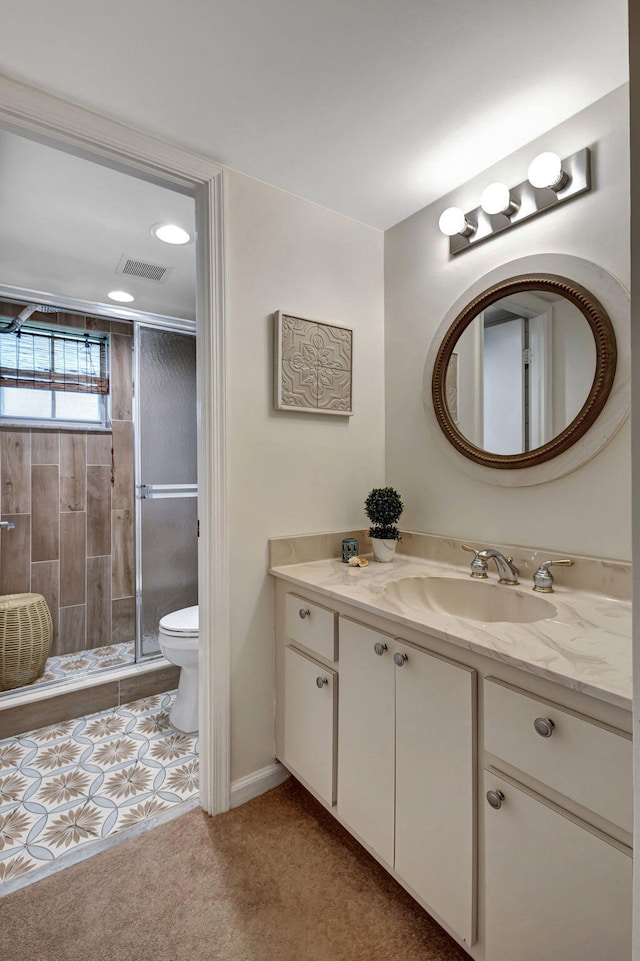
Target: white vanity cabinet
x,y
531,861
554,887
406,779
307,715
367,737
310,722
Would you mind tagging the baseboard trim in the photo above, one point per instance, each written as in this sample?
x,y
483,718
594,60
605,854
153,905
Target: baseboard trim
x,y
257,783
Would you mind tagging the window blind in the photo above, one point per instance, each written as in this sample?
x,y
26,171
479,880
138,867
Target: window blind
x,y
54,360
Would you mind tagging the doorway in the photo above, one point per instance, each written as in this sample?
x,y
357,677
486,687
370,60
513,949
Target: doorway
x,y
46,119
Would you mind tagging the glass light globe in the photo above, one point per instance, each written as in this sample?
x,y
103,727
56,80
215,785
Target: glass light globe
x,y
546,170
452,221
496,199
122,296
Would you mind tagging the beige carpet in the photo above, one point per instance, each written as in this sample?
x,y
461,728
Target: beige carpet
x,y
275,880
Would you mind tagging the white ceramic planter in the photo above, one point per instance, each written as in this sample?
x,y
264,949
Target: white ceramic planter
x,y
383,550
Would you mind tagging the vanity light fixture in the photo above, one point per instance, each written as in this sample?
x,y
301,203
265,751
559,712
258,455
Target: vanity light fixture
x,y
171,234
453,222
121,296
550,181
496,199
546,171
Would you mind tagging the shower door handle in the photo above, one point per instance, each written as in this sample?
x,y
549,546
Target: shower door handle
x,y
147,491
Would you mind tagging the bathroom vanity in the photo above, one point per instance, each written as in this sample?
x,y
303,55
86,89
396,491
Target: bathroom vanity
x,y
485,763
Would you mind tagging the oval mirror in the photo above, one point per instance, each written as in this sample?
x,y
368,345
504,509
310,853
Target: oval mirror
x,y
524,371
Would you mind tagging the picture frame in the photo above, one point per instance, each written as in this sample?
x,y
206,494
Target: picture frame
x,y
313,366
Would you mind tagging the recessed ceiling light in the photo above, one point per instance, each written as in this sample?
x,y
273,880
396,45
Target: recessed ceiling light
x,y
122,296
171,234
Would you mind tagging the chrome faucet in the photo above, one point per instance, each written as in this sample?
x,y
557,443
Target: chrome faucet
x,y
507,571
543,578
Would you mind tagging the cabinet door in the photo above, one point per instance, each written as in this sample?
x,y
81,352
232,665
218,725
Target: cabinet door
x,y
435,785
554,889
310,722
366,736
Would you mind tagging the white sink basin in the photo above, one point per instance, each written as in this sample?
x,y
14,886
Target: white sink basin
x,y
473,600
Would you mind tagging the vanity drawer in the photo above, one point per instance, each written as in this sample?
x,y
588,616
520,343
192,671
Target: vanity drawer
x,y
586,761
315,627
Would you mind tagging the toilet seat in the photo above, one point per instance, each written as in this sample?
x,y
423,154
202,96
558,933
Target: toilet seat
x,y
183,623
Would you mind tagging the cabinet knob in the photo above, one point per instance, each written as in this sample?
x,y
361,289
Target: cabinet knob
x,y
544,726
380,648
304,613
400,659
495,799
321,682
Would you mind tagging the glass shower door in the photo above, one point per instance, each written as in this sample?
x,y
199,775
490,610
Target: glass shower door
x,y
166,479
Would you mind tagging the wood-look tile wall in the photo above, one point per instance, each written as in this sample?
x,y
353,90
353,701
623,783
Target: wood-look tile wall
x,y
70,496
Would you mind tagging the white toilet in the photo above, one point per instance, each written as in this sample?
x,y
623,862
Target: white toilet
x,y
179,642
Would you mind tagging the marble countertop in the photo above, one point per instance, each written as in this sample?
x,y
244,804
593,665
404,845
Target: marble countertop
x,y
586,646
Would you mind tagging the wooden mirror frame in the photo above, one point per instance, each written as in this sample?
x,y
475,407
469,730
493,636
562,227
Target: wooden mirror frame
x,y
606,359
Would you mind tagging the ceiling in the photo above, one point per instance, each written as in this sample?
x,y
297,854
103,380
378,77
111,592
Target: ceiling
x,y
369,107
66,224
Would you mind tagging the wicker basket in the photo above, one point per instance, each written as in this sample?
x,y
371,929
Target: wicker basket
x,y
25,639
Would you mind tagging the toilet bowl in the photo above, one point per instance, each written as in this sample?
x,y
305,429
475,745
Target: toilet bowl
x,y
179,642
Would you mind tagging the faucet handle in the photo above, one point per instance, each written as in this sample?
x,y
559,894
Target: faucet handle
x,y
543,578
478,564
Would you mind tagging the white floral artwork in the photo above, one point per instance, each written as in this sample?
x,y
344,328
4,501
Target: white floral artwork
x,y
313,366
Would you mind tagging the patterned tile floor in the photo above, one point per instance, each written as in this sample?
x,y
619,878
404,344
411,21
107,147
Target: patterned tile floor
x,y
86,662
70,784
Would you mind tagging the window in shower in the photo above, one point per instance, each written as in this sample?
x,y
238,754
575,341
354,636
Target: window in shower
x,y
49,375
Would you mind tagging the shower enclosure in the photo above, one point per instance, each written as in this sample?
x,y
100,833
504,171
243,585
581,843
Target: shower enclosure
x,y
102,515
165,435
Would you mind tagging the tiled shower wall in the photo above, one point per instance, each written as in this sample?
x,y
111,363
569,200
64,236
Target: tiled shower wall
x,y
70,496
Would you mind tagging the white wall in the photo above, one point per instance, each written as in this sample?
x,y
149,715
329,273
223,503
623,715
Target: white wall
x,y
290,473
585,512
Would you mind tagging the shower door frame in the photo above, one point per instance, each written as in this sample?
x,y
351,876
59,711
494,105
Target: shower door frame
x,y
29,112
188,328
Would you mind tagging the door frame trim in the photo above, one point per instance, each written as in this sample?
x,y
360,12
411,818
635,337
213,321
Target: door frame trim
x,y
37,115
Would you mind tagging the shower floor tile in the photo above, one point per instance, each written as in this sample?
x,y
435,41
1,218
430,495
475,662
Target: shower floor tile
x,y
67,785
79,663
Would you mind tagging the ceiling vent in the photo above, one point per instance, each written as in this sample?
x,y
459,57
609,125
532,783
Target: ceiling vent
x,y
142,268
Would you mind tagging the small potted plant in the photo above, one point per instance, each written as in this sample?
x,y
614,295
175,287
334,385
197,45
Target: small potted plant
x,y
383,507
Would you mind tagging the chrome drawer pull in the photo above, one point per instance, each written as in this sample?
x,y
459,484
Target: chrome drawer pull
x,y
304,613
495,799
321,682
544,726
400,659
380,648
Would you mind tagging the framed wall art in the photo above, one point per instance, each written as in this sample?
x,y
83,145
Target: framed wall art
x,y
313,366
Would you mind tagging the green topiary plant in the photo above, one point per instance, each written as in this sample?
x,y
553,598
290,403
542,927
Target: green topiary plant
x,y
383,507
